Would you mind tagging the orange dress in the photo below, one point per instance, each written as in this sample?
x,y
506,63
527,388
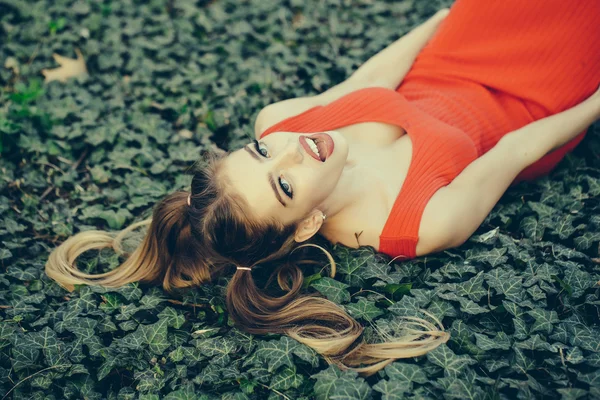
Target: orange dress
x,y
491,68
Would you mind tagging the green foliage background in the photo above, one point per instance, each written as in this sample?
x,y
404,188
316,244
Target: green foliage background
x,y
169,79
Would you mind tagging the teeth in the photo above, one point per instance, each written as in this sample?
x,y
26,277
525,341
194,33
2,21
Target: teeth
x,y
313,146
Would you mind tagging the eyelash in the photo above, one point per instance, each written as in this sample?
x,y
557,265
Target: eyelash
x,y
257,147
289,192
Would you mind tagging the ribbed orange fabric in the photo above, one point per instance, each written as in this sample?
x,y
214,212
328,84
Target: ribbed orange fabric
x,y
491,68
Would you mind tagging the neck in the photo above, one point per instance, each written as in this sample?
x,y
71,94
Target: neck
x,y
350,188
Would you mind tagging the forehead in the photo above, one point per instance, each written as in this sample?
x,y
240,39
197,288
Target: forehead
x,y
248,177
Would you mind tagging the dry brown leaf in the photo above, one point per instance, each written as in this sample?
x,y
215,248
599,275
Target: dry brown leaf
x,y
69,68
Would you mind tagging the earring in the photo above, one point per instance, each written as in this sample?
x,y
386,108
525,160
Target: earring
x,y
324,216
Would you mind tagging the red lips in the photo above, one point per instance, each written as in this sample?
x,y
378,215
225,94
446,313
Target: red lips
x,y
324,143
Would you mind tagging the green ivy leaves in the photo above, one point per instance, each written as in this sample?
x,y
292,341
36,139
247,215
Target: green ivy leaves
x,y
170,80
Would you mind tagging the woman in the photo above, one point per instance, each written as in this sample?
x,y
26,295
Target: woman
x,y
408,156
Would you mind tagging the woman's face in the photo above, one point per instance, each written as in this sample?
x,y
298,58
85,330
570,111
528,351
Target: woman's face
x,y
280,177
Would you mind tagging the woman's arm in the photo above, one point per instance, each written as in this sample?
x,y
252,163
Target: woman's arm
x,y
389,67
385,69
457,210
548,134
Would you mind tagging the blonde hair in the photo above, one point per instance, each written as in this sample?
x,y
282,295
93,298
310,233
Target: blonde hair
x,y
188,245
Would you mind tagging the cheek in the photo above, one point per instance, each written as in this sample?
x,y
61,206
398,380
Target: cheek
x,y
322,186
316,186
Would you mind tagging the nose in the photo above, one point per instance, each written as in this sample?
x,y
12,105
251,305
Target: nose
x,y
291,153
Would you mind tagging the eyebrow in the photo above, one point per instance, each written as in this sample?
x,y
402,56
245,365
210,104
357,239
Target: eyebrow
x,y
270,175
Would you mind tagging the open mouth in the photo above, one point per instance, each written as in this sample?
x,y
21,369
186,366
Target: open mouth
x,y
314,146
319,146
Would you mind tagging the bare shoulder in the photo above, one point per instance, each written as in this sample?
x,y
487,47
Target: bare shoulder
x,y
277,112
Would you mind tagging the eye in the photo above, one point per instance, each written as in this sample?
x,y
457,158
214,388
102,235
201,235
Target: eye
x,y
261,149
286,187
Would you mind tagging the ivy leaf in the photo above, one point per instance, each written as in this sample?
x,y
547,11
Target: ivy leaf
x,y
360,264
594,185
219,349
522,363
495,364
332,289
154,335
364,309
544,320
407,306
285,379
174,319
493,257
24,357
334,384
585,337
500,342
45,340
592,379
571,393
457,270
577,279
392,389
307,354
452,364
27,274
115,220
536,342
574,356
277,353
542,210
472,288
440,309
470,307
457,388
350,265
506,282
586,240
187,393
532,228
326,382
564,226
403,375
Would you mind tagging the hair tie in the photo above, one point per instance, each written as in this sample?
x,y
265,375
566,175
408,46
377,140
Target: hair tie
x,y
249,269
189,199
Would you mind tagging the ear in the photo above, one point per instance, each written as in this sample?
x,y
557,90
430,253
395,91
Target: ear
x,y
308,227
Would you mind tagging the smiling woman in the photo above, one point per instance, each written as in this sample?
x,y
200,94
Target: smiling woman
x,y
189,245
408,156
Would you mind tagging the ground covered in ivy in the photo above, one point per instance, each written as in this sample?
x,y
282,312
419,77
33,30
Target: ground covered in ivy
x,y
169,79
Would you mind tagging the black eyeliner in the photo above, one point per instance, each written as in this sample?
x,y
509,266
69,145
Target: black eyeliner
x,y
284,192
257,148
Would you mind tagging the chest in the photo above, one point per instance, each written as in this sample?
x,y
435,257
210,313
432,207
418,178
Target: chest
x,y
382,154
